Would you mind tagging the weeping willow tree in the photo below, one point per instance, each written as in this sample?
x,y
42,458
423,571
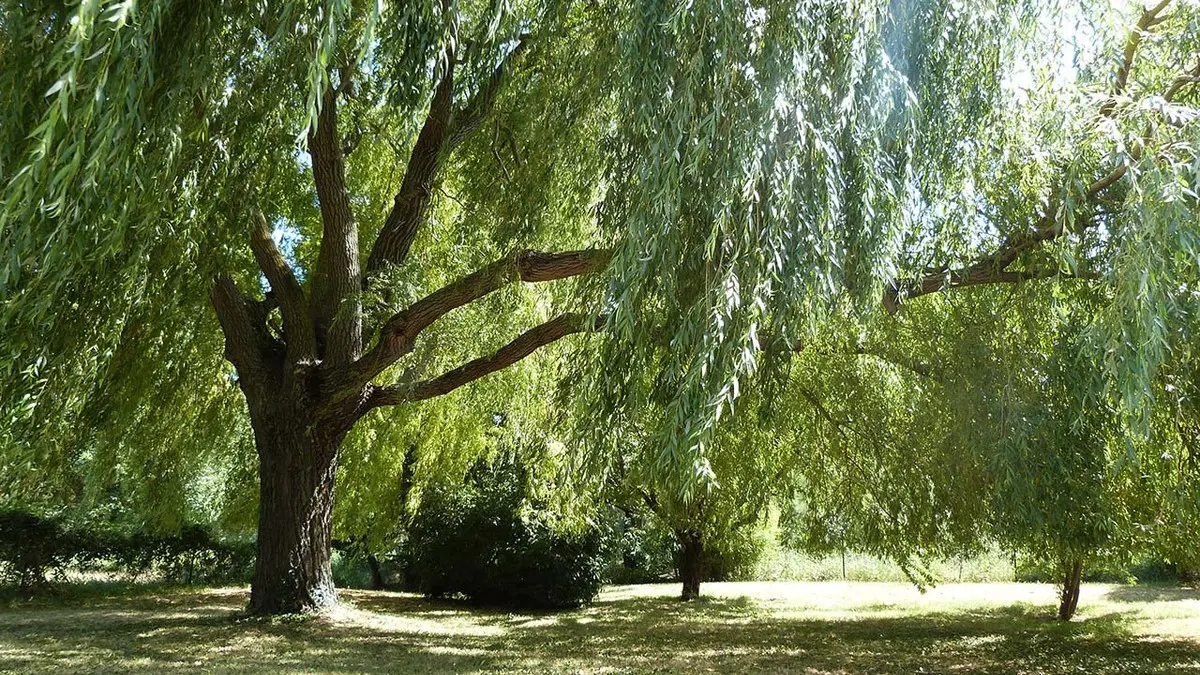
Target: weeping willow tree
x,y
980,419
1086,446
360,195
1091,175
778,179
1047,443
976,413
884,467
283,167
1071,481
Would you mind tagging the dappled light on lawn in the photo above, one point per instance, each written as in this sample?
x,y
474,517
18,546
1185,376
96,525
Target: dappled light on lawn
x,y
827,627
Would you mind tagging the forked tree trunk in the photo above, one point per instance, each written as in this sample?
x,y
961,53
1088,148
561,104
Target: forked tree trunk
x,y
691,562
292,571
1070,590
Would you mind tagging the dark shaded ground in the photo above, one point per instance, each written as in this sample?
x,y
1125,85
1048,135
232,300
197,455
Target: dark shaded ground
x,y
626,631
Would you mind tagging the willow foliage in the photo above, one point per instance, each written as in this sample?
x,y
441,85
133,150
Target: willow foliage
x,y
770,156
762,170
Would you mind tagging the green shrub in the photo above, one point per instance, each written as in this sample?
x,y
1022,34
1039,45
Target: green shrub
x,y
196,555
350,570
644,550
355,567
1037,570
1153,570
30,546
481,541
192,555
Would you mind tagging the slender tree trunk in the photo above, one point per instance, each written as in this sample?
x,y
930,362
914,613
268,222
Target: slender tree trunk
x,y
292,571
691,562
1070,590
376,573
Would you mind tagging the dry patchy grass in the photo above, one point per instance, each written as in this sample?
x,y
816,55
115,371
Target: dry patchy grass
x,y
825,627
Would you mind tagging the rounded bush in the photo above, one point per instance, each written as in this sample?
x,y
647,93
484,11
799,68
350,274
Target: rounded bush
x,y
477,541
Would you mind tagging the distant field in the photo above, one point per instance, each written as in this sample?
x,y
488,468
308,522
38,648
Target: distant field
x,y
826,627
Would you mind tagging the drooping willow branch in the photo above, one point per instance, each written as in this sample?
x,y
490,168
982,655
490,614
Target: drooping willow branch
x,y
993,268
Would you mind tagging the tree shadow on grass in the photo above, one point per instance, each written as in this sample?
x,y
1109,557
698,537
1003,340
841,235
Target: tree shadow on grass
x,y
402,633
1153,593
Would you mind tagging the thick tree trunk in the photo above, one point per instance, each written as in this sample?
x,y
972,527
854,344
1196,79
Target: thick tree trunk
x,y
691,562
292,572
1070,590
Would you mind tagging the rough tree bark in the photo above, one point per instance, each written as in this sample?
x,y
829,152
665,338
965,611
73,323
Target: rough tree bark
x,y
295,514
309,376
1069,599
691,562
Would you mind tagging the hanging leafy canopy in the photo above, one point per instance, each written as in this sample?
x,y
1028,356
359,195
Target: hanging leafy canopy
x,y
883,459
750,162
141,136
1069,392
1074,175
769,158
977,419
1090,171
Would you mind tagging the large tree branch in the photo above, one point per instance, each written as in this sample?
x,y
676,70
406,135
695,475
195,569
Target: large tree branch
x,y
524,345
408,210
444,130
243,324
987,271
297,323
1190,77
337,281
1150,18
400,332
471,117
993,267
1104,182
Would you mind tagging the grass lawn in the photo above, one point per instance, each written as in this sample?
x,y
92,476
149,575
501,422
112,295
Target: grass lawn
x,y
827,627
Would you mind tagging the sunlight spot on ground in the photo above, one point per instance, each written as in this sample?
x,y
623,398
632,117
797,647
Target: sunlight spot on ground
x,y
538,622
1183,627
976,641
429,623
456,651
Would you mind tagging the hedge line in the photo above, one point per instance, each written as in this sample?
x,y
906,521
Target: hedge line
x,y
33,548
